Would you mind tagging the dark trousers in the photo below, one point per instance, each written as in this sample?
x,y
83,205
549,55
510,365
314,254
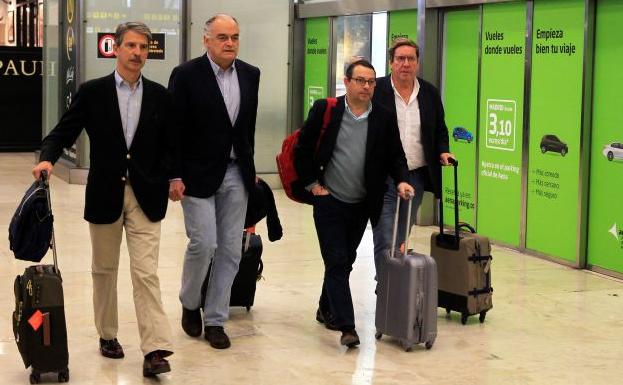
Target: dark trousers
x,y
340,227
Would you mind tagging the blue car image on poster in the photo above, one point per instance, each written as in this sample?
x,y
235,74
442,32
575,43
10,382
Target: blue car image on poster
x,y
461,133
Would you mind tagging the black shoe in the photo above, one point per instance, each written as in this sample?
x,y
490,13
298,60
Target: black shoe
x,y
155,363
191,322
349,338
217,338
322,318
111,348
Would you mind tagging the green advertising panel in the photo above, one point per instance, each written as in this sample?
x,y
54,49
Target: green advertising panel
x,y
316,61
402,24
605,226
555,128
460,100
500,130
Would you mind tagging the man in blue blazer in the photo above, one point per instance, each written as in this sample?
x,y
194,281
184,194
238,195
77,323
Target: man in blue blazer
x,y
215,98
130,134
417,107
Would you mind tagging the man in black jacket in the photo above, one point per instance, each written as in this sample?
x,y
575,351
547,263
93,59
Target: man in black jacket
x,y
345,181
126,118
416,105
215,98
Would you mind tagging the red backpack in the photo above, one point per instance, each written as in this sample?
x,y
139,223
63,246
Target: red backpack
x,y
285,159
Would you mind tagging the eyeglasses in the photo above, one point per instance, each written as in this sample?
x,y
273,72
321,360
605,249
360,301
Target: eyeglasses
x,y
408,59
362,82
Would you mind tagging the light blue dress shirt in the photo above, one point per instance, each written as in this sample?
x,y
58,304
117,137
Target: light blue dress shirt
x,y
230,89
130,100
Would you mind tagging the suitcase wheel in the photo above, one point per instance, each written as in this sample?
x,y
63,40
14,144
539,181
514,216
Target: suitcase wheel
x,y
406,346
448,311
464,318
482,316
63,375
428,344
248,308
35,378
378,335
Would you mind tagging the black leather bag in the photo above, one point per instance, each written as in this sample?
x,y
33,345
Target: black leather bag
x,y
30,230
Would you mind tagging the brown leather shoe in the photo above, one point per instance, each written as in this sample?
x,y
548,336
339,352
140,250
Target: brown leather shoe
x,y
155,363
111,348
326,319
216,337
349,338
191,322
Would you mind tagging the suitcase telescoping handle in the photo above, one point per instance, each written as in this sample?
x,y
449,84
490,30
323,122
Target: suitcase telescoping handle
x,y
450,241
46,185
395,228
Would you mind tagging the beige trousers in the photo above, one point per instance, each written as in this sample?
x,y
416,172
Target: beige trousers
x,y
143,239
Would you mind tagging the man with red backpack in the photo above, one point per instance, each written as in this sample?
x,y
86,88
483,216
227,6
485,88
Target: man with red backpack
x,y
344,178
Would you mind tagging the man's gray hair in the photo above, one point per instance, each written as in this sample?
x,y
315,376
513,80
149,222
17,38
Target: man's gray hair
x,y
207,28
135,26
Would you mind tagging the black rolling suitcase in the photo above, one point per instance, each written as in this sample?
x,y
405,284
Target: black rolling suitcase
x,y
249,272
39,317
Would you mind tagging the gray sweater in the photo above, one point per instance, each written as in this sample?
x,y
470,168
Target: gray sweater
x,y
344,176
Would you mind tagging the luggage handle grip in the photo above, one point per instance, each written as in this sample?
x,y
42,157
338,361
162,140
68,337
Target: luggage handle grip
x,y
467,227
395,227
44,180
450,241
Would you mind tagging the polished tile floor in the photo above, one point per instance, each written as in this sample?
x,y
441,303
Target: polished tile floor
x,y
550,324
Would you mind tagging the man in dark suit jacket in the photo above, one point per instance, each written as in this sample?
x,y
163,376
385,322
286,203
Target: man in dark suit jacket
x,y
345,181
416,105
127,120
215,97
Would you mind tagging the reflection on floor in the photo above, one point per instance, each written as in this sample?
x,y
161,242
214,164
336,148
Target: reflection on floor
x,y
550,324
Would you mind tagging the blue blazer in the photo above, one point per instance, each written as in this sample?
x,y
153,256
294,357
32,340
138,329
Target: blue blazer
x,y
95,109
205,131
384,153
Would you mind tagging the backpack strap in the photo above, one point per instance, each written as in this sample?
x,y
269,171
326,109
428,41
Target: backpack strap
x,y
326,119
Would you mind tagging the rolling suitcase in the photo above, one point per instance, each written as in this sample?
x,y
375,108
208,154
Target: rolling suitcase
x,y
406,301
39,318
464,265
249,272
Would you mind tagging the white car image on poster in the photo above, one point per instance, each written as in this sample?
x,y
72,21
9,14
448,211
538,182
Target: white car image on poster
x,y
613,151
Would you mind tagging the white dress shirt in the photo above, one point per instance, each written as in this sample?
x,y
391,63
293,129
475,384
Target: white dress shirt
x,y
409,124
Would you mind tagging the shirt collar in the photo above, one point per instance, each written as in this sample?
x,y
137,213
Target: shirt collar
x,y
119,81
416,87
360,117
217,69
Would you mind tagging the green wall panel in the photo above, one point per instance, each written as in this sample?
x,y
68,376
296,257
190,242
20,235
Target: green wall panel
x,y
460,98
555,128
402,24
501,121
316,60
605,226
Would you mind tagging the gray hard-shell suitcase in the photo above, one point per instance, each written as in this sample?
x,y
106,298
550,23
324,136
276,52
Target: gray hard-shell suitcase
x,y
406,301
464,266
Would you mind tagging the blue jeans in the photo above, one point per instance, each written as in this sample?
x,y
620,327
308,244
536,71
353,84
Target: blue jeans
x,y
382,232
340,227
214,228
